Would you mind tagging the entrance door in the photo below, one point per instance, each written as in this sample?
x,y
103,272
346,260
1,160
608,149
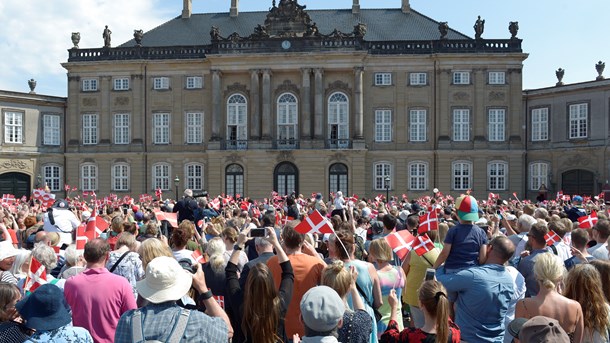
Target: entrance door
x,y
17,184
581,182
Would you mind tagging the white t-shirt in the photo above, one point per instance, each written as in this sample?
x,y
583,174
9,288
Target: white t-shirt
x,y
65,223
339,203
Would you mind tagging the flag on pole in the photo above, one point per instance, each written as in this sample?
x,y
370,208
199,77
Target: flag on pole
x,y
172,218
428,222
314,223
551,238
37,276
95,226
401,242
587,222
422,244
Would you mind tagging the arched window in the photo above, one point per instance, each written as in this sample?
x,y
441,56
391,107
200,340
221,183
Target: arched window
x,y
161,176
382,171
287,120
88,177
120,177
337,178
286,178
194,176
418,176
497,175
539,172
52,177
462,175
234,180
338,120
237,121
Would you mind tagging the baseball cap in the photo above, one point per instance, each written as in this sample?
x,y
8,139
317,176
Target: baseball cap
x,y
467,208
542,329
577,198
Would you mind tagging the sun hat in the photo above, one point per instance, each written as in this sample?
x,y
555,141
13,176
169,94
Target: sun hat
x,y
165,280
45,309
322,309
467,208
542,329
515,325
7,250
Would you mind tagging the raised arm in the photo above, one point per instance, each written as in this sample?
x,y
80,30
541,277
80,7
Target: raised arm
x,y
212,307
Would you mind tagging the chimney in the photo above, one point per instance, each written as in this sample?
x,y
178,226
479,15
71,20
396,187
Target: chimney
x,y
406,8
356,7
233,12
187,9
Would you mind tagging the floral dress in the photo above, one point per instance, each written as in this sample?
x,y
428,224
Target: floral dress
x,y
129,268
64,334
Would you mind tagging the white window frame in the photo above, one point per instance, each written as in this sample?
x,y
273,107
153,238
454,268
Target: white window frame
x,y
461,78
579,120
338,119
496,124
193,174
237,121
287,119
51,127
161,82
418,125
13,127
540,124
539,174
161,176
194,127
89,85
52,177
90,128
122,128
88,177
461,173
497,176
120,177
383,79
383,125
380,171
461,125
418,79
497,78
418,175
161,128
194,82
120,84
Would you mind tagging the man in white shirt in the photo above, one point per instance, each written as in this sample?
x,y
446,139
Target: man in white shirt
x,y
601,231
60,219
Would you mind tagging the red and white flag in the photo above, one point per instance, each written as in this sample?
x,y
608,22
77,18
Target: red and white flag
x,y
8,199
587,222
95,226
172,218
159,193
314,223
37,276
197,256
423,244
81,237
401,242
551,238
428,222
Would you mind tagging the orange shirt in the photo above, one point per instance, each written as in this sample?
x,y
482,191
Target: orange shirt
x,y
307,272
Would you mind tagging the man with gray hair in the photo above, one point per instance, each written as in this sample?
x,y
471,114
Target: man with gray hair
x,y
186,207
518,235
265,252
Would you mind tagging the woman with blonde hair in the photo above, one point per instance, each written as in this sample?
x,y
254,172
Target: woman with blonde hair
x,y
437,327
390,278
151,248
214,269
603,267
549,272
584,285
229,237
357,323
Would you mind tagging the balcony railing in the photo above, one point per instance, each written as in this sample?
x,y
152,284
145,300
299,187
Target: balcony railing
x,y
236,144
137,53
338,144
444,46
286,144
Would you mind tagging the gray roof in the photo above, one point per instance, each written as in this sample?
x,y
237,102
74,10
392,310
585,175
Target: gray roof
x,y
382,25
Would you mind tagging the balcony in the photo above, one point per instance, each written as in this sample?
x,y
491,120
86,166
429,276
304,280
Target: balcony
x,y
235,144
137,53
286,144
338,144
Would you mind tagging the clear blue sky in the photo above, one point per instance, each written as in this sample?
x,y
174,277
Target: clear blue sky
x,y
36,33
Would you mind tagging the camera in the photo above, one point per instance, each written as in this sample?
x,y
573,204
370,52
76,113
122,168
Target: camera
x,y
430,273
258,232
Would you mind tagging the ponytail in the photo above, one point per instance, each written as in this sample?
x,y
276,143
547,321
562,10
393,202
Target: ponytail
x,y
433,296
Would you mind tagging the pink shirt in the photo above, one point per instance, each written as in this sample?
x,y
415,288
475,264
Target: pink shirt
x,y
98,298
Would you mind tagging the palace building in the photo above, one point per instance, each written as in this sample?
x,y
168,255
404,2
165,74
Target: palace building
x,y
290,99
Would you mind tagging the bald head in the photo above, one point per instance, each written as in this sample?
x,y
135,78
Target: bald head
x,y
96,250
41,237
502,249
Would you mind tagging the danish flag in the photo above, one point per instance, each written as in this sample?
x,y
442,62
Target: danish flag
x,y
587,222
198,257
8,198
314,223
428,222
95,226
551,238
422,244
172,218
37,276
145,198
158,193
401,242
81,238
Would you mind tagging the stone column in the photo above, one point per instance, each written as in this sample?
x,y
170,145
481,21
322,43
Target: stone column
x,y
358,103
255,122
216,104
306,104
319,104
267,122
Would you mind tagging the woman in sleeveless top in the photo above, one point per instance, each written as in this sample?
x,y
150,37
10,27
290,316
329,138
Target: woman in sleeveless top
x,y
549,272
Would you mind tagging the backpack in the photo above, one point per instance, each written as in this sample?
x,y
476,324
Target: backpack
x,y
360,251
137,331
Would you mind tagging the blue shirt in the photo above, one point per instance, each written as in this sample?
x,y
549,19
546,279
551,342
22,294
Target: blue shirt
x,y
466,241
483,296
526,268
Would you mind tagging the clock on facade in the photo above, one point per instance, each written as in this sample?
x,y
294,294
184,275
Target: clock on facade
x,y
286,45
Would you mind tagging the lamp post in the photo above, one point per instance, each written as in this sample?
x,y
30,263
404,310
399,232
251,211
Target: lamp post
x,y
387,188
176,183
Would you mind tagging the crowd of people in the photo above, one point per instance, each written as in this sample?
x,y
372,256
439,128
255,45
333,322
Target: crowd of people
x,y
230,269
